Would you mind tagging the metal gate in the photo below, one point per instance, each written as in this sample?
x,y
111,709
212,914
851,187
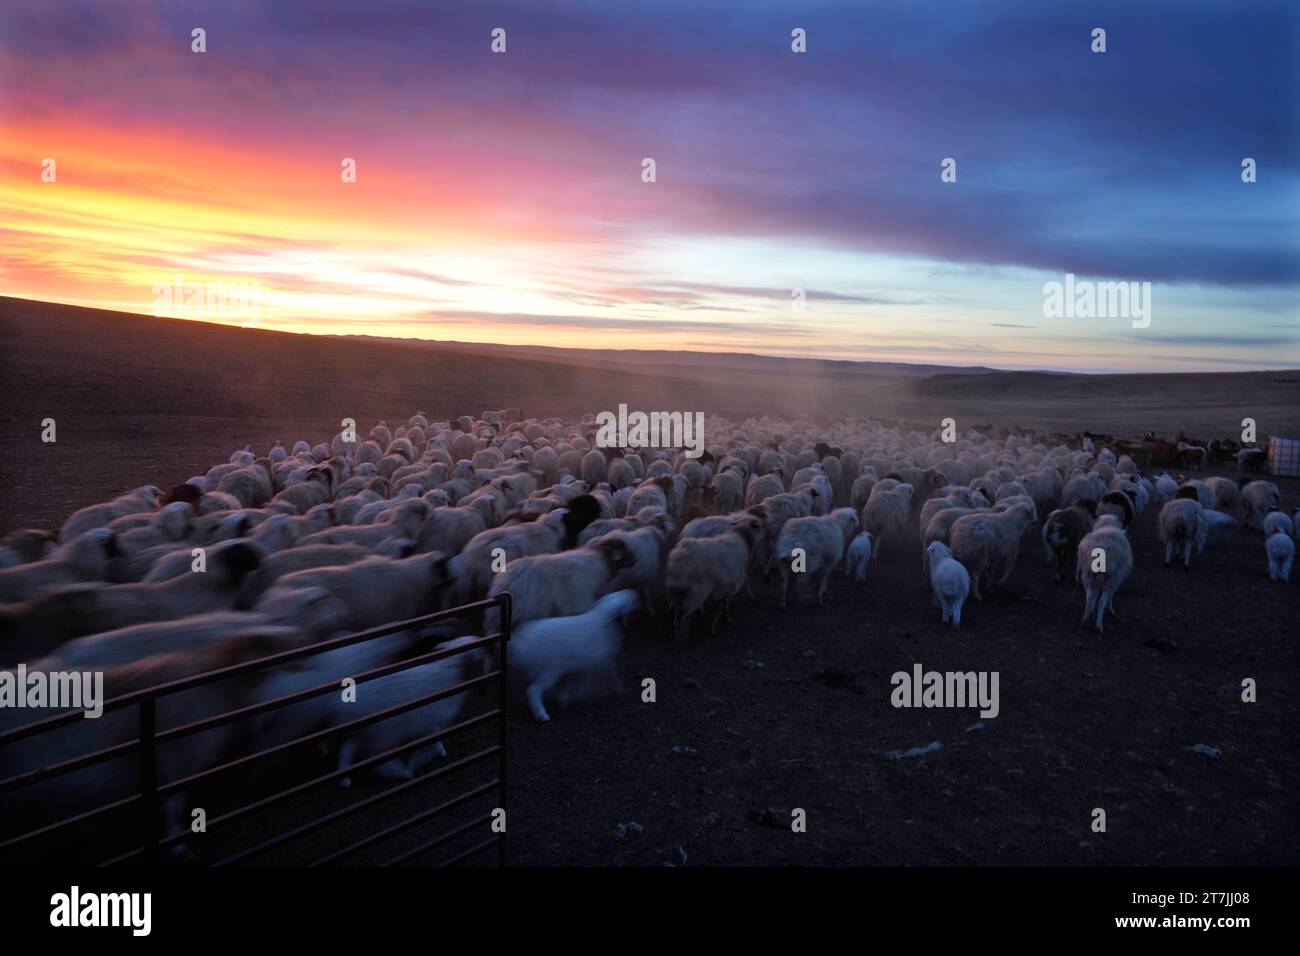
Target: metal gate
x,y
151,844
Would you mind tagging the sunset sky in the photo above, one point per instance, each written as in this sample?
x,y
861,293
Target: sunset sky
x,y
499,197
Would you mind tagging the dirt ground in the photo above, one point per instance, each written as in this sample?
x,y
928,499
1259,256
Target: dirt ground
x,y
782,709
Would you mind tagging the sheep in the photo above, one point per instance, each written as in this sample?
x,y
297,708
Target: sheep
x,y
183,634
1090,487
988,544
886,514
405,520
1259,498
1217,524
621,474
1119,504
857,556
652,493
1062,532
1276,521
1102,574
822,541
647,548
306,557
1227,496
1181,528
26,546
571,655
949,580
55,798
1281,552
36,627
1165,488
704,572
144,498
1009,489
399,730
316,489
823,495
556,531
860,491
556,585
85,558
251,485
449,529
729,490
375,590
1200,490
762,487
166,527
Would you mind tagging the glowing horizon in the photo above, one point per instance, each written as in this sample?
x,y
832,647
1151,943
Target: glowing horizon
x,y
499,199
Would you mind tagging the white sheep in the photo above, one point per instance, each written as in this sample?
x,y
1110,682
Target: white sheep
x,y
857,556
34,628
821,542
1105,560
376,590
403,686
1276,521
557,585
949,580
704,573
1281,552
1182,528
887,513
1259,498
988,544
145,498
571,656
85,558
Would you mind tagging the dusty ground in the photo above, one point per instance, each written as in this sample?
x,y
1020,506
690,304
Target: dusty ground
x,y
782,709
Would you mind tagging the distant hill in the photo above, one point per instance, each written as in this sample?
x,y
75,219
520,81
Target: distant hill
x,y
657,357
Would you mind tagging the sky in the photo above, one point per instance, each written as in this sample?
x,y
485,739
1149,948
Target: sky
x,y
797,206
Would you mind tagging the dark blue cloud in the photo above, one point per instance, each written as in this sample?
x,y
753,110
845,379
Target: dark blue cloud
x,y
1124,164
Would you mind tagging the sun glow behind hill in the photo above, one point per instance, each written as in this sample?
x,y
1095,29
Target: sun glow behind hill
x,y
499,200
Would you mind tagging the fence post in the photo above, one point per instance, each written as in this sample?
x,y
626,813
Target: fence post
x,y
504,640
149,778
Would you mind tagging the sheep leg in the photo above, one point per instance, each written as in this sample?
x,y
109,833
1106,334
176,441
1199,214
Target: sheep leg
x,y
956,613
1101,608
346,749
682,625
821,587
534,692
1089,604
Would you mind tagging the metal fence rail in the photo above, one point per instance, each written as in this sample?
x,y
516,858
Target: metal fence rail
x,y
151,841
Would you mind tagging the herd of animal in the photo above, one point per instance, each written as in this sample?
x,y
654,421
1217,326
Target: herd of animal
x,y
265,553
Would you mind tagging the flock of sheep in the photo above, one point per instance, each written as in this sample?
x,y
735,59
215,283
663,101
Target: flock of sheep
x,y
267,553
